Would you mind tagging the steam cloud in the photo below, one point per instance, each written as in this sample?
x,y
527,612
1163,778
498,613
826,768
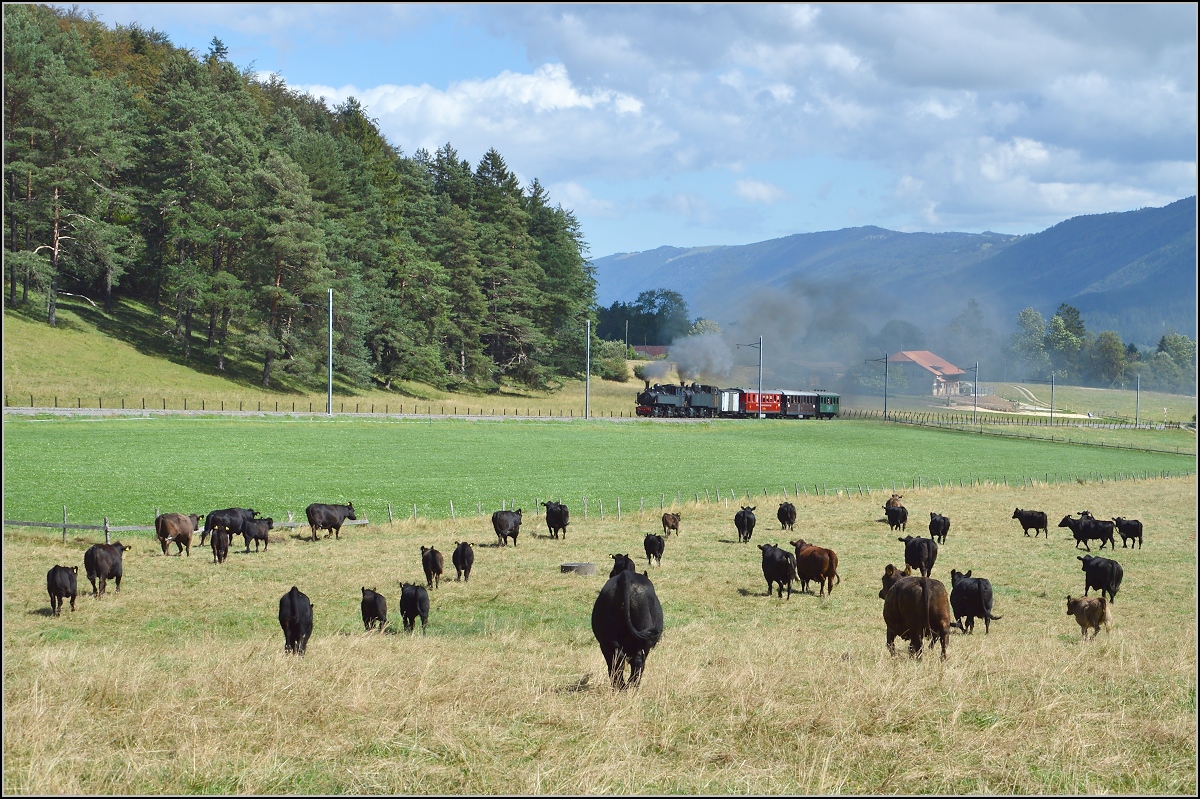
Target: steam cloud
x,y
656,370
706,357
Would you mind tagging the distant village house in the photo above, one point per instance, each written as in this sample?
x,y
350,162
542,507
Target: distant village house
x,y
923,370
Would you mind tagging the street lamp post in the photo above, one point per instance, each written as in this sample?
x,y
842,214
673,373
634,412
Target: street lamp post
x,y
329,395
587,383
758,346
884,359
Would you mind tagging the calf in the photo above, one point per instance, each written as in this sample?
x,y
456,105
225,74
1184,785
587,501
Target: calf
x,y
431,562
893,501
914,608
897,516
60,584
1090,613
507,524
329,517
220,543
939,527
920,553
670,523
622,563
627,621
815,563
414,602
374,609
654,545
787,516
103,562
557,518
779,568
1086,528
229,517
971,597
256,530
1032,520
744,521
296,619
1102,574
177,528
1130,530
463,559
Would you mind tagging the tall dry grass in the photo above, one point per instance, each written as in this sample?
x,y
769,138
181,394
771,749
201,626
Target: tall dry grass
x,y
180,684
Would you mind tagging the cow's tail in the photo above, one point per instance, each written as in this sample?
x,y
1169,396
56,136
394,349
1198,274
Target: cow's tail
x,y
649,637
1106,613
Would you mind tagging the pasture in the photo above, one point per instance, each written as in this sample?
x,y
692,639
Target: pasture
x,y
179,684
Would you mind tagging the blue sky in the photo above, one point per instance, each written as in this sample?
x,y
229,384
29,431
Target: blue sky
x,y
691,125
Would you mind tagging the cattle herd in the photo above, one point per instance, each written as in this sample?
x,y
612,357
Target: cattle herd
x,y
627,618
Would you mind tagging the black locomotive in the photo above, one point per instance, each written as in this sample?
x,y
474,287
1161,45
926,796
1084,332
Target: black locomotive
x,y
698,401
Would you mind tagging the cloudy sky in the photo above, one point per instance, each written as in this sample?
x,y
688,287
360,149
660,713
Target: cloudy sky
x,y
695,125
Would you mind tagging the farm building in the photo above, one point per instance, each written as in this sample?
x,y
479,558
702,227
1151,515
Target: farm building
x,y
923,369
651,352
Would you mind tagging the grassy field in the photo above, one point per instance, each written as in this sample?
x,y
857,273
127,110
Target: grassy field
x,y
124,468
179,683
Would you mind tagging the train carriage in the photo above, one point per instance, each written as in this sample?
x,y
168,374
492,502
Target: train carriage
x,y
701,401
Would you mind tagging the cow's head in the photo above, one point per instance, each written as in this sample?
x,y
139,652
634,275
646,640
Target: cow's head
x,y
350,515
1087,561
1017,513
75,569
799,544
956,576
270,522
622,563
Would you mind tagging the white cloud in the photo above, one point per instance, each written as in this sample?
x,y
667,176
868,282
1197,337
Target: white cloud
x,y
757,191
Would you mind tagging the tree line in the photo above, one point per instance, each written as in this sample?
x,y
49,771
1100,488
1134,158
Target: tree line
x,y
231,204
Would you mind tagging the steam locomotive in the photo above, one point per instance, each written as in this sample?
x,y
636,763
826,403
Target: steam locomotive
x,y
697,401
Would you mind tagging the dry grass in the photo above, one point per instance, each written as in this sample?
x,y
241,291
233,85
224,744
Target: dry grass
x,y
180,685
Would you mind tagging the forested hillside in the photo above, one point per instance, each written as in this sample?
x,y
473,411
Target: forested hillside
x,y
232,204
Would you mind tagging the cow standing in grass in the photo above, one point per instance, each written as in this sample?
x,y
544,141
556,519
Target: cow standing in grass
x,y
627,621
329,517
104,562
176,528
557,519
296,619
60,584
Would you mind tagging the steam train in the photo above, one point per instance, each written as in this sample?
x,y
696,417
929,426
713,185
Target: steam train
x,y
697,401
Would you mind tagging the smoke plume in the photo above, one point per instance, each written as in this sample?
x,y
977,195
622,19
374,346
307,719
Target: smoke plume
x,y
706,358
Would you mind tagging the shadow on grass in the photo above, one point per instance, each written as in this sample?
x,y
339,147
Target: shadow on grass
x,y
46,612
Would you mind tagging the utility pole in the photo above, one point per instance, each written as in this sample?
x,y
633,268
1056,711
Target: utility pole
x,y
1137,406
1052,398
760,397
587,384
329,399
885,381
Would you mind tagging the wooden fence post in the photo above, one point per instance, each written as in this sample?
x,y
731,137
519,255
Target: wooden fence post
x,y
389,513
618,509
585,507
601,501
64,524
106,538
452,516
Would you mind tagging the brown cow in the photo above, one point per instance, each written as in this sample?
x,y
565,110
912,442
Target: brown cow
x,y
178,528
914,608
894,502
1090,612
815,563
670,522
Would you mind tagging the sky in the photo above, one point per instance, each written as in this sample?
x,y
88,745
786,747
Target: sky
x,y
710,124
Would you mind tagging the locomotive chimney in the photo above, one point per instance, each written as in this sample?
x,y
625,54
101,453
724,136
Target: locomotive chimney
x,y
647,383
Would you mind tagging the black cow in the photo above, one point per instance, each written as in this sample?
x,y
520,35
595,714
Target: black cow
x,y
557,519
787,516
414,602
744,521
329,517
1130,529
939,527
920,553
897,516
654,545
177,528
507,524
627,620
779,567
60,584
296,619
1086,528
622,563
432,562
374,609
104,562
256,530
914,608
233,518
1102,574
463,559
1032,520
971,597
220,544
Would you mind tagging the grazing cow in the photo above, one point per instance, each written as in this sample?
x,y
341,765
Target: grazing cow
x,y
1090,612
220,543
506,523
414,602
329,517
60,584
893,501
744,521
256,530
103,562
463,559
787,516
654,545
374,609
971,597
914,608
432,562
670,523
815,563
920,553
1130,529
233,518
1087,528
178,528
622,563
296,619
557,518
939,526
1032,520
1102,574
627,620
779,567
897,516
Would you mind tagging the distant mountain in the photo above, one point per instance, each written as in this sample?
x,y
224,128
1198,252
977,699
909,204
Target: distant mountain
x,y
1133,272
